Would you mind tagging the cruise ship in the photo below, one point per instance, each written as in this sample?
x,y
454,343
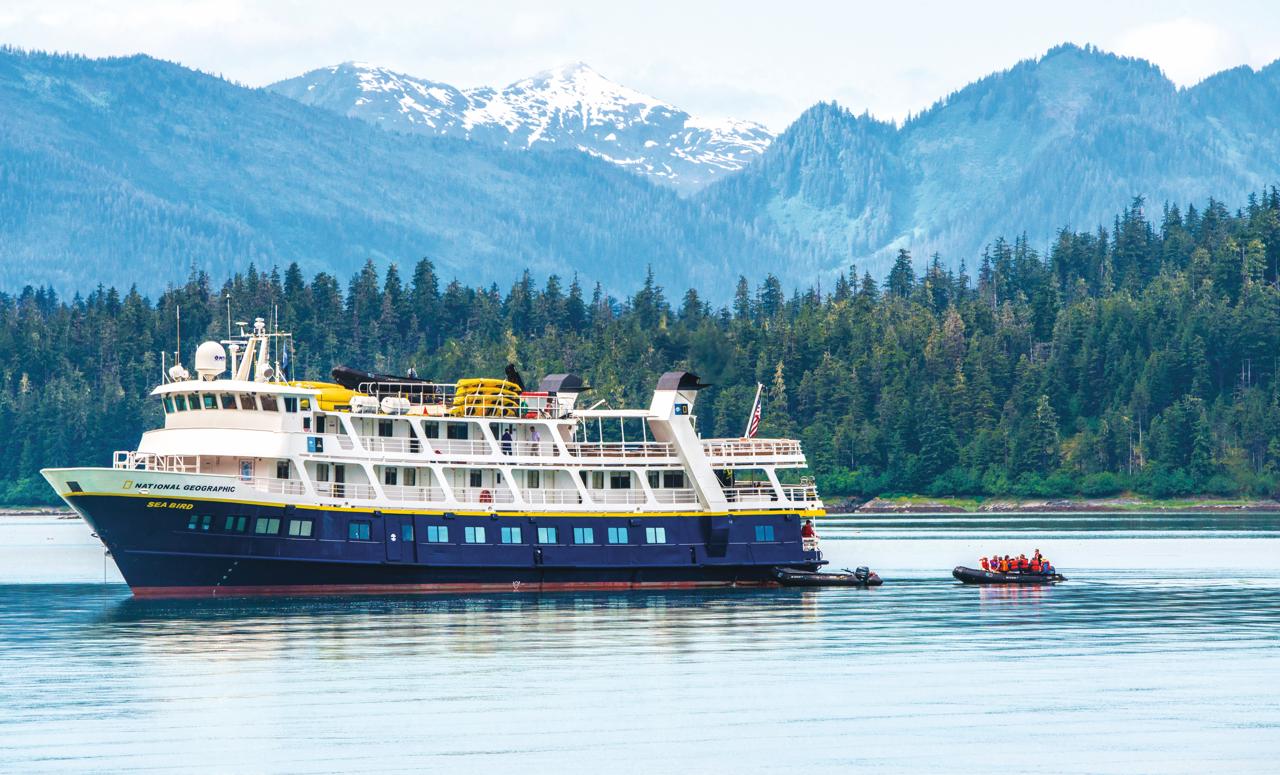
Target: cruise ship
x,y
261,485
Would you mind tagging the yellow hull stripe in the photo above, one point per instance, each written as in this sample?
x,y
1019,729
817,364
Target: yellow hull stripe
x,y
809,513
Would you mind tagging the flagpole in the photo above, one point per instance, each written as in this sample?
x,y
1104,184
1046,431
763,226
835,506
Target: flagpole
x,y
746,433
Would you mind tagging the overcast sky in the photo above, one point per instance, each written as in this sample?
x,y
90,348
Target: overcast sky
x,y
763,61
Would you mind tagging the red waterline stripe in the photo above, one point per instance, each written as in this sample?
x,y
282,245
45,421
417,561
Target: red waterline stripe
x,y
431,589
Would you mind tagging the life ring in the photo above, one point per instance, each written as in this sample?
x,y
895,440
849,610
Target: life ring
x,y
486,496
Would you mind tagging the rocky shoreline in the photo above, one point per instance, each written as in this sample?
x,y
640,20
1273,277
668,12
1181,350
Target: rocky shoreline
x,y
1065,506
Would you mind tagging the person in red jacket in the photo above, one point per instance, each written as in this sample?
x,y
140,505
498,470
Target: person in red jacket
x,y
807,530
985,565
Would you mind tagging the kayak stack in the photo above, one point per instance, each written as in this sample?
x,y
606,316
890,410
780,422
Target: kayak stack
x,y
485,398
332,398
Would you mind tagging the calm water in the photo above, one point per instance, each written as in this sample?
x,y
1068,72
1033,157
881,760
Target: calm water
x,y
1160,655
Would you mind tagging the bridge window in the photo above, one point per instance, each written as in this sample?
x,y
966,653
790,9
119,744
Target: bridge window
x,y
764,532
180,402
268,403
249,402
510,535
437,534
228,400
267,526
473,535
300,528
617,535
546,535
358,530
193,400
584,535
168,404
306,404
291,403
210,401
655,535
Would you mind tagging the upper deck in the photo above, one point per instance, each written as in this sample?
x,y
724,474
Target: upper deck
x,y
475,443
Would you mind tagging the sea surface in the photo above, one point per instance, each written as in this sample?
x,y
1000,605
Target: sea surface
x,y
1160,654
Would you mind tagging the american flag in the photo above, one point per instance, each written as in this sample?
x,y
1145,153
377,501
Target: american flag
x,y
753,422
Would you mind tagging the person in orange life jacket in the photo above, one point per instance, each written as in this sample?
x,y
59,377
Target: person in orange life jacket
x,y
1004,564
807,531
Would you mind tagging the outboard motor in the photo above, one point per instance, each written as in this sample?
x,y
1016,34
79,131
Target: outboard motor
x,y
862,573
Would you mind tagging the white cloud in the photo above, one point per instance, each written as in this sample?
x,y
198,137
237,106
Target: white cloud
x,y
1187,49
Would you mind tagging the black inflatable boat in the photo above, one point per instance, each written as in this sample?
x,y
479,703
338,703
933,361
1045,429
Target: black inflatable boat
x,y
975,576
793,577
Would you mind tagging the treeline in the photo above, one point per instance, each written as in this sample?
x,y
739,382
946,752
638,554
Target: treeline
x,y
1141,357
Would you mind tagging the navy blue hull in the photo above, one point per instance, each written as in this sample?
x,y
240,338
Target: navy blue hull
x,y
182,547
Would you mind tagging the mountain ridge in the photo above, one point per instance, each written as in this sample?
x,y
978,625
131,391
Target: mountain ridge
x,y
1065,139
570,106
132,167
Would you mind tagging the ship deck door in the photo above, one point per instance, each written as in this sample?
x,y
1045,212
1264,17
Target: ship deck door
x,y
399,537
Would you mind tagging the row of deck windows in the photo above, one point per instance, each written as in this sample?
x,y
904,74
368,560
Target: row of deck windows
x,y
251,402
361,530
296,528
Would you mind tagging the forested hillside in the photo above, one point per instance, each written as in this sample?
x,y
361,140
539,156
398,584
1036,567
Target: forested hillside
x,y
133,170
1059,141
1143,356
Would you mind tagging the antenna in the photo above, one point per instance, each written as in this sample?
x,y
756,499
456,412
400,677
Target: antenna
x,y
177,354
228,314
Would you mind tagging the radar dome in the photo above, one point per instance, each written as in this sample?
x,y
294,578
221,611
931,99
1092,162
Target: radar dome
x,y
211,360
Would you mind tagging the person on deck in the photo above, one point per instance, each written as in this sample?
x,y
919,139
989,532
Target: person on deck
x,y
506,442
1004,564
536,438
985,564
807,530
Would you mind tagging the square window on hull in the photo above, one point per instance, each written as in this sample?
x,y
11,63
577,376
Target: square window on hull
x,y
357,530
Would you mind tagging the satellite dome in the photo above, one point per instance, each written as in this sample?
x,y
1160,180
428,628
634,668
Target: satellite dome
x,y
211,360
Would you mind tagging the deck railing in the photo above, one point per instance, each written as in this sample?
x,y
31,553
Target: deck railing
x,y
625,449
751,448
679,495
396,445
751,493
617,497
465,447
150,461
282,486
345,491
800,493
483,495
552,496
409,493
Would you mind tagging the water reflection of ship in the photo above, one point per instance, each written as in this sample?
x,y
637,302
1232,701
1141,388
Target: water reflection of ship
x,y
673,621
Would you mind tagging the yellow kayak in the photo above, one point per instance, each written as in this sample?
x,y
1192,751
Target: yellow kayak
x,y
332,395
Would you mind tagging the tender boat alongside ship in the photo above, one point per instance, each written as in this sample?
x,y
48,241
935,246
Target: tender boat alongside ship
x,y
976,576
256,484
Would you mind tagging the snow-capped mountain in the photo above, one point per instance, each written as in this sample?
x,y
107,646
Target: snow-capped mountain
x,y
571,107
